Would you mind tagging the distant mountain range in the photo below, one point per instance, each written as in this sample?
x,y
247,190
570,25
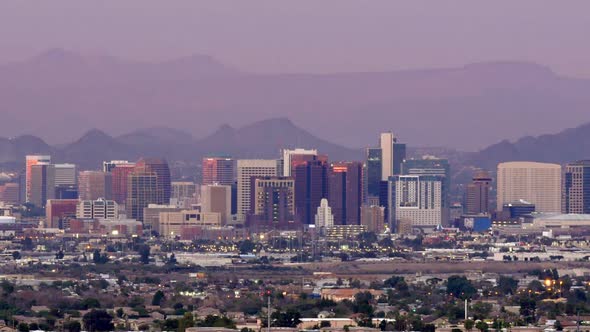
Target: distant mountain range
x,y
264,139
261,139
60,95
569,145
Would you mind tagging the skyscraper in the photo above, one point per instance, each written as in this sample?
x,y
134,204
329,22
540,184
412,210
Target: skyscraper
x,y
66,175
311,185
93,185
108,166
272,202
10,193
217,198
248,168
119,173
162,171
30,161
373,172
218,170
59,209
345,192
416,199
373,218
392,155
291,156
142,190
537,183
430,165
42,184
324,217
148,183
576,187
477,193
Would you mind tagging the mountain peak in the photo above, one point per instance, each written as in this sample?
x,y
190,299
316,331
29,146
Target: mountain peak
x,y
95,135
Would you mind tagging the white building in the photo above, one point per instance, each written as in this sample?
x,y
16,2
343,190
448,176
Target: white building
x,y
98,209
418,199
324,217
248,168
287,154
538,183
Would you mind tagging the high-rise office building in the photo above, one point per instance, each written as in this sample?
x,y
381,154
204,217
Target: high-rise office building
x,y
162,171
108,166
142,190
372,172
430,165
373,218
272,202
576,187
30,161
537,183
392,155
247,169
119,172
311,185
42,184
97,209
93,185
148,183
218,170
10,193
345,192
65,174
289,157
416,199
183,189
217,198
57,210
477,193
324,217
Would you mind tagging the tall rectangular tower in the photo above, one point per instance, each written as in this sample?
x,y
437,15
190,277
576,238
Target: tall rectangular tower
x,y
30,161
248,168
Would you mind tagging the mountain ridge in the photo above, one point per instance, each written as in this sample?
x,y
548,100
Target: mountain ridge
x,y
198,93
261,139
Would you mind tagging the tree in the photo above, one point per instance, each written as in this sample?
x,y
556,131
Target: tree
x,y
23,327
468,324
15,255
172,260
59,255
144,253
246,246
186,321
72,326
460,287
507,285
527,310
89,303
290,318
482,326
28,243
158,297
97,258
98,320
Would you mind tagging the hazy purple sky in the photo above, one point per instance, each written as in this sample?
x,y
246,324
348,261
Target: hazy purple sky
x,y
307,36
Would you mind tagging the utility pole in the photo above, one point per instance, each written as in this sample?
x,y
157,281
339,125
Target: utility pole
x,y
268,318
466,309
